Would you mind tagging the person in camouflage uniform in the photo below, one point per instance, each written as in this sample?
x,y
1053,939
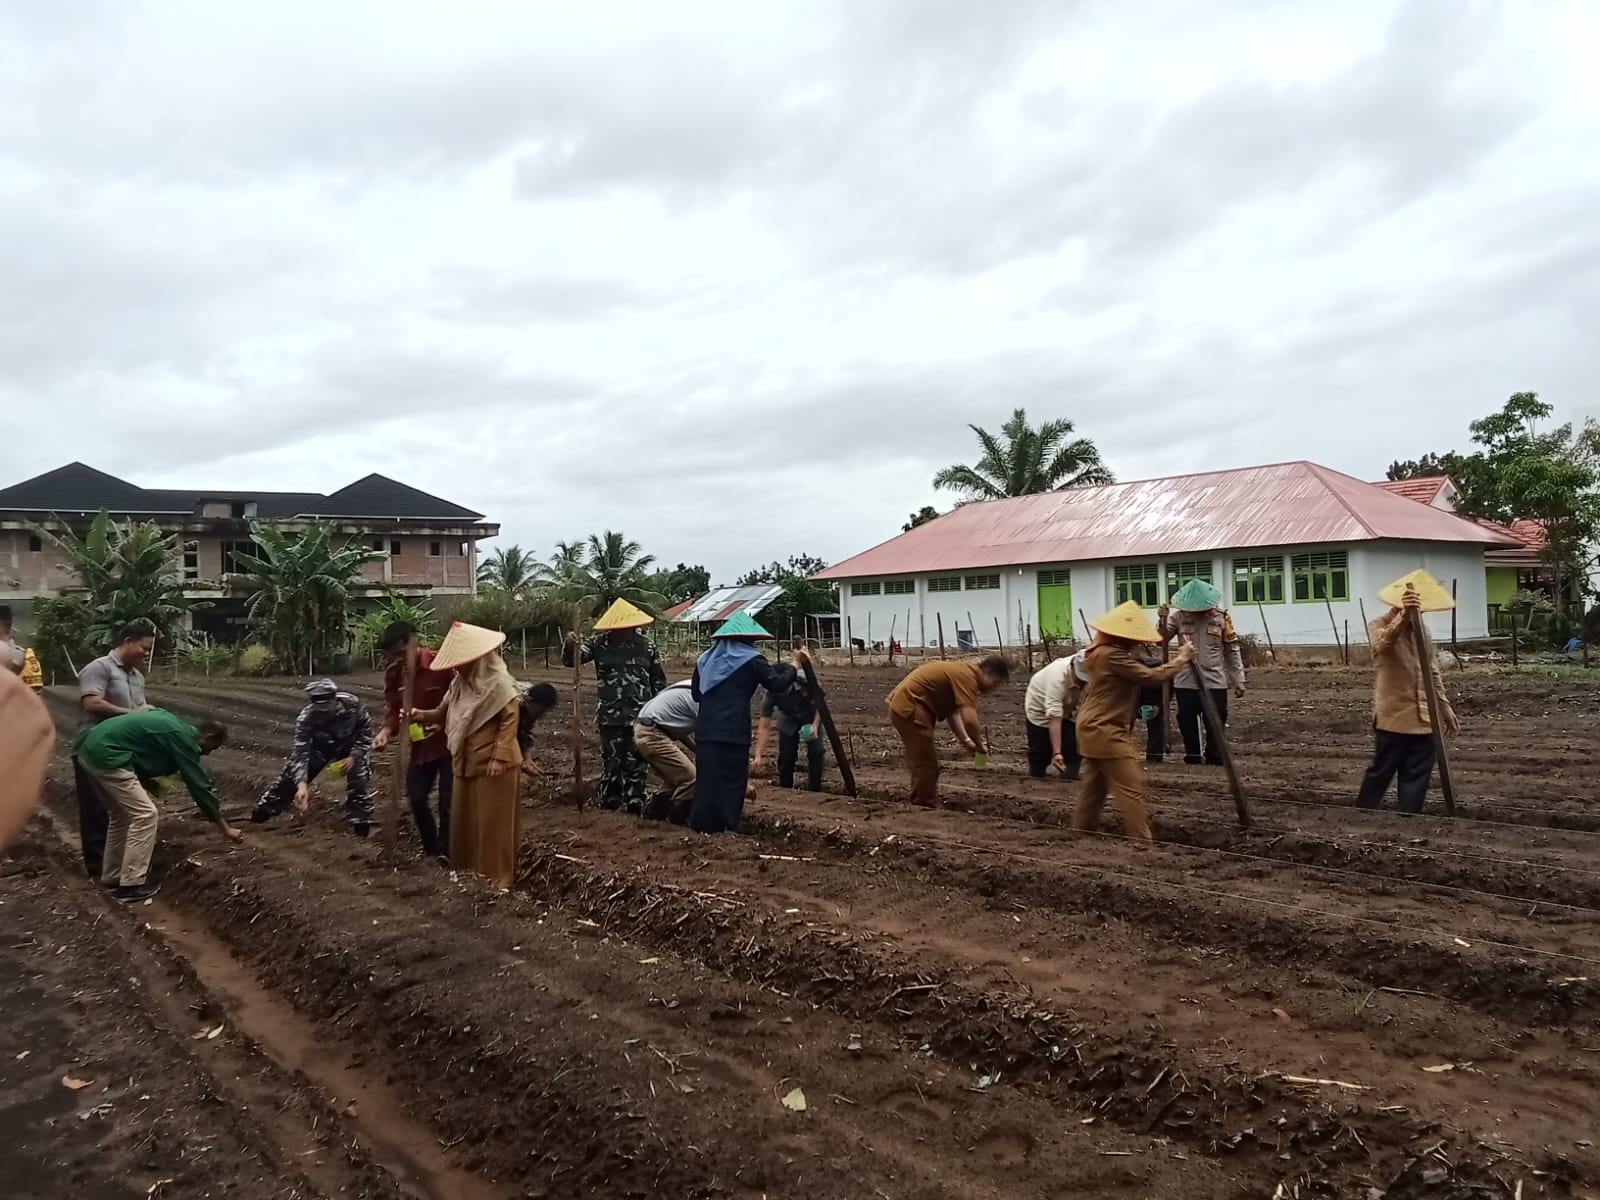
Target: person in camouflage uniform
x,y
628,672
333,728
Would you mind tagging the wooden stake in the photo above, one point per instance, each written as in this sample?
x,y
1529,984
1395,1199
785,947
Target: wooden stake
x,y
850,635
869,639
1347,641
1029,636
892,620
1235,785
1001,638
1419,638
1088,629
577,709
1452,617
1166,690
1366,629
846,771
1334,622
402,747
939,617
922,624
1271,649
971,628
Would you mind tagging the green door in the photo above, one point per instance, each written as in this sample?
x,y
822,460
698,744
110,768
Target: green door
x,y
1055,604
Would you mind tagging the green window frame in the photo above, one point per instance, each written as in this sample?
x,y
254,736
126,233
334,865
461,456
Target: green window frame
x,y
983,583
865,588
1324,575
1180,572
1050,578
945,583
899,587
1258,580
1139,582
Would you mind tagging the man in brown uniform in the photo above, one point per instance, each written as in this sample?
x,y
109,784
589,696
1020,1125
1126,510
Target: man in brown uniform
x,y
1402,731
941,691
1106,714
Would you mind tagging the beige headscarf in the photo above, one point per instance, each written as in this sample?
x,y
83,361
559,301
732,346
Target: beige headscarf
x,y
478,692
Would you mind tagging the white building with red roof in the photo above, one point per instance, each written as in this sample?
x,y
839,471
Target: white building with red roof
x,y
1295,548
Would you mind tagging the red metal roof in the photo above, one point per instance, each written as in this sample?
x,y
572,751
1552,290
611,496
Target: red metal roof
x,y
1424,489
1285,504
676,609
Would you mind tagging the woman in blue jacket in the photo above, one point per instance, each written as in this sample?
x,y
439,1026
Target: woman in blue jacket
x,y
725,681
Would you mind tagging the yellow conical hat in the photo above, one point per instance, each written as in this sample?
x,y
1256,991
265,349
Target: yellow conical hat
x,y
464,644
622,615
1435,596
1127,620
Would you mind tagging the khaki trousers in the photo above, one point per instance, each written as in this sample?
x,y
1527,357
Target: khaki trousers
x,y
1120,779
131,835
922,759
669,757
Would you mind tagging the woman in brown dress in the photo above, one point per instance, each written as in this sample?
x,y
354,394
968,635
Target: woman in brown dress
x,y
479,715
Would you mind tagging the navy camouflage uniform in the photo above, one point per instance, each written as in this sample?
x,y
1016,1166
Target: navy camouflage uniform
x,y
322,736
628,673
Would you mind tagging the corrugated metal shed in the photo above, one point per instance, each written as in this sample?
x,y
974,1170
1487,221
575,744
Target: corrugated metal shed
x,y
1284,504
721,603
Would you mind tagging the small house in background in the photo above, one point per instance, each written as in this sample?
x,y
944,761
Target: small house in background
x,y
1295,547
717,605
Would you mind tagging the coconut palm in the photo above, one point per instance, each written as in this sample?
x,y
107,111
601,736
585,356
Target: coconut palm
x,y
1023,461
511,569
613,568
128,570
565,565
301,608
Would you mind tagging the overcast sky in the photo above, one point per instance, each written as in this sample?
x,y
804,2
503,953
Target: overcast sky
x,y
734,277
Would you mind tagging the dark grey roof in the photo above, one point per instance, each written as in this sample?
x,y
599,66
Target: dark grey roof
x,y
380,496
76,488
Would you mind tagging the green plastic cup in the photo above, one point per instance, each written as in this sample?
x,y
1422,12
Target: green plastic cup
x,y
417,732
336,769
805,733
980,759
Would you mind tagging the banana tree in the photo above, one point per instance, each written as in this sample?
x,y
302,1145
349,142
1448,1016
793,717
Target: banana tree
x,y
128,570
301,606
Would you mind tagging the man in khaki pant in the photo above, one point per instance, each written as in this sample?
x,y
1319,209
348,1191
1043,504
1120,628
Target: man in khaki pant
x,y
116,755
663,735
935,692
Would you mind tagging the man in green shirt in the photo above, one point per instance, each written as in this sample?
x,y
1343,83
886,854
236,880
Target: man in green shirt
x,y
118,753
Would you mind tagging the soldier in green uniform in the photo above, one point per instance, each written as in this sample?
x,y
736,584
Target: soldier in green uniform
x,y
627,672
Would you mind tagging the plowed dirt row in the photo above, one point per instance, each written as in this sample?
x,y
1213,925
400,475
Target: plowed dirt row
x,y
973,1000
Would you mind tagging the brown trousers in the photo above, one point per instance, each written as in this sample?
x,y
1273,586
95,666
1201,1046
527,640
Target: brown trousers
x,y
922,759
1122,780
131,835
670,758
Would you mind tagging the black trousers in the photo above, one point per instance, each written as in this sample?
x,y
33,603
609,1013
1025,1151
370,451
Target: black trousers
x,y
789,758
721,774
420,778
1155,729
1190,715
1408,755
93,820
1039,753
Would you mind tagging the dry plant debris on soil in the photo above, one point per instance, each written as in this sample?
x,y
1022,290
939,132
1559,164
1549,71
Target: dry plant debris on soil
x,y
854,997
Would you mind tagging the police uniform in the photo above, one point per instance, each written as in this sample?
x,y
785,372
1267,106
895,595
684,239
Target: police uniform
x,y
324,733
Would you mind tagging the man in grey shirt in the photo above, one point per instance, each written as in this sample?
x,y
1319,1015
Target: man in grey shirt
x,y
663,735
107,687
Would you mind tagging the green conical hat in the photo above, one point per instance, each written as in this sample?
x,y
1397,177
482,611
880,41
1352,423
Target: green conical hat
x,y
1196,596
741,625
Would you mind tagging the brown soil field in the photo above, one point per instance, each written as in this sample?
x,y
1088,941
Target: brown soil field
x,y
974,1000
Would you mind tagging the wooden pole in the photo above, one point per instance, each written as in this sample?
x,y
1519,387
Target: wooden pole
x,y
1235,784
1088,629
1029,636
1419,638
402,748
850,635
1166,689
846,771
1513,640
1366,630
1265,628
1343,656
939,618
577,708
1347,641
524,649
1001,642
922,624
971,628
892,620
1452,617
869,639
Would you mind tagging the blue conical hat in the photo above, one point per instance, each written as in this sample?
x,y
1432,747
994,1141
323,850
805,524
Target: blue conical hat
x,y
741,625
1196,596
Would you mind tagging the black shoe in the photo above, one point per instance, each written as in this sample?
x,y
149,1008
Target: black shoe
x,y
360,829
1155,758
261,816
1071,774
135,891
1191,760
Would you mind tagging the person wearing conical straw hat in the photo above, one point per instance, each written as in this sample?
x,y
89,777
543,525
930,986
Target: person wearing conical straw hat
x,y
1401,729
725,681
479,715
1106,714
627,672
1218,664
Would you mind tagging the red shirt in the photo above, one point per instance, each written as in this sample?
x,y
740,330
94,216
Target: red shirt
x,y
427,691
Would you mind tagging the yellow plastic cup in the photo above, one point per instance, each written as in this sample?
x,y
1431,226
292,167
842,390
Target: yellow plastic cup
x,y
336,769
417,732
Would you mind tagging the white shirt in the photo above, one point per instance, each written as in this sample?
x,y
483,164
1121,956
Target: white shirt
x,y
1050,692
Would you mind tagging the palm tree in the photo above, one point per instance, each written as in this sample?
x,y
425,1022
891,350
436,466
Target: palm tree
x,y
1023,461
511,569
302,606
613,568
127,571
564,567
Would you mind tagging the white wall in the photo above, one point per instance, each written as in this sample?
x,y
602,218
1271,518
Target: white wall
x,y
1372,566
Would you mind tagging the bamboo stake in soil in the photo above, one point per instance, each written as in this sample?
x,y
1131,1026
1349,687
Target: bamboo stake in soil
x,y
892,620
1088,629
922,624
1344,655
578,795
1366,630
850,633
1029,636
939,617
846,772
1235,784
1419,637
402,747
971,628
1000,642
1271,649
1452,618
1166,688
